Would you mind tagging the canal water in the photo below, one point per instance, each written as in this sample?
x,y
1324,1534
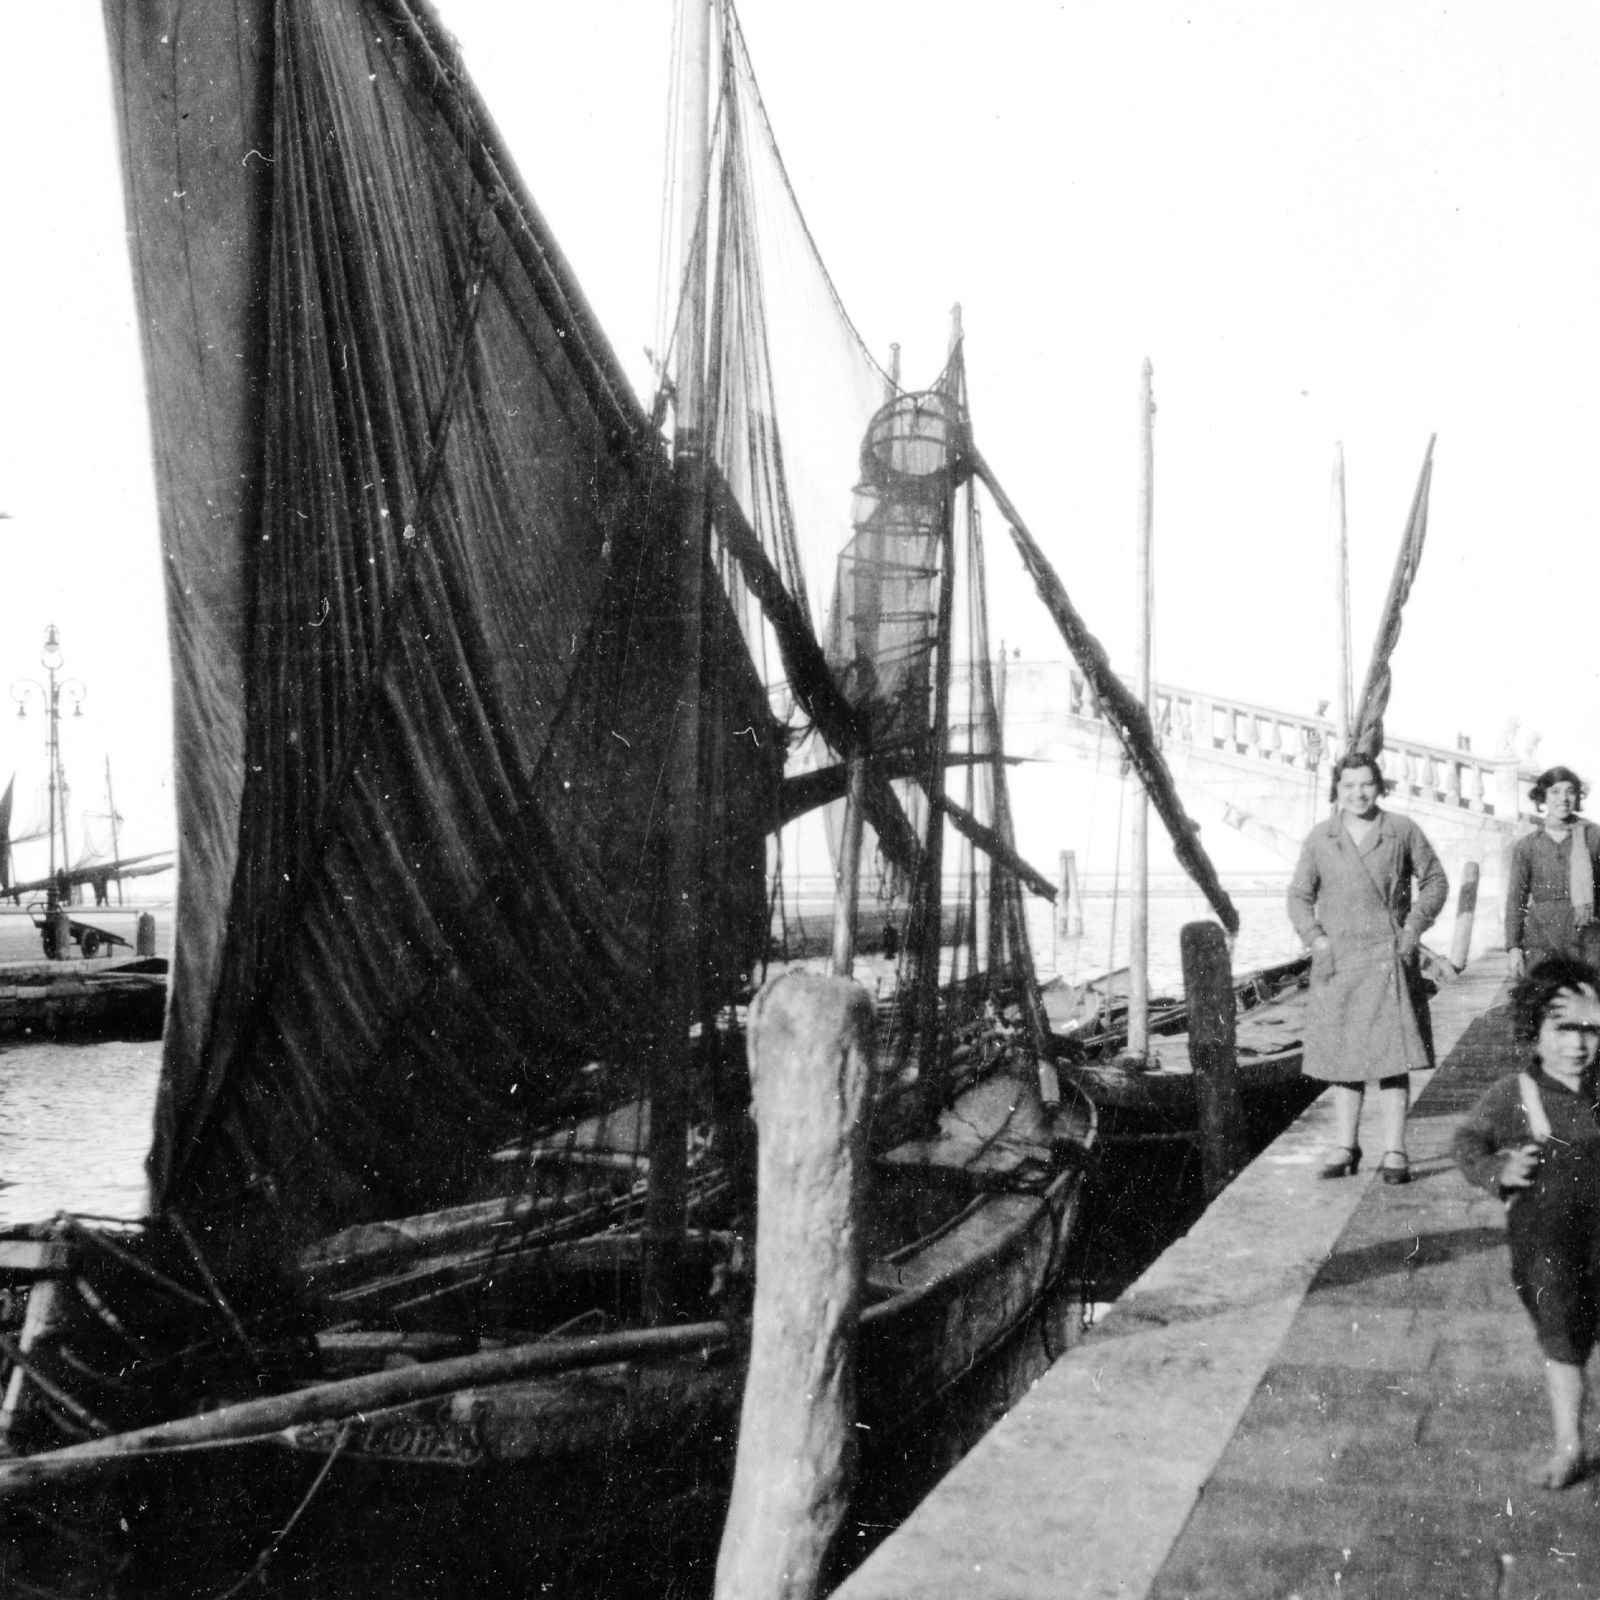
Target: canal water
x,y
75,1118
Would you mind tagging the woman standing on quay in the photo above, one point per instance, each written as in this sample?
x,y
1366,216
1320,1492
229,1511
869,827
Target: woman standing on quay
x,y
1550,896
1350,901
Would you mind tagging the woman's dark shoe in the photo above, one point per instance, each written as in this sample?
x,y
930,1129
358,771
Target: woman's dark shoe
x,y
1342,1163
1396,1167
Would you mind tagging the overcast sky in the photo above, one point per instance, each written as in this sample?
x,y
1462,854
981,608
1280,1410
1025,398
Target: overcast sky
x,y
1366,222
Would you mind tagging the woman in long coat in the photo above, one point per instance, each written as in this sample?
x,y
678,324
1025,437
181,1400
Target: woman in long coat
x,y
1550,898
1351,903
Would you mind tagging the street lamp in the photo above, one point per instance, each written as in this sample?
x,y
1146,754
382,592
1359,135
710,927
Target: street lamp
x,y
58,689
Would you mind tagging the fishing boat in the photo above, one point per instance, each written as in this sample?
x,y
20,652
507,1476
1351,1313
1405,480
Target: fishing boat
x,y
1158,1096
477,768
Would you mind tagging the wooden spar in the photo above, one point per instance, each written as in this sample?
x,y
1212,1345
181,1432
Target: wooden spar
x,y
1341,598
929,924
1128,718
868,604
676,976
843,960
805,791
996,847
998,886
1139,829
1466,910
349,1397
809,675
1208,986
1007,924
810,1050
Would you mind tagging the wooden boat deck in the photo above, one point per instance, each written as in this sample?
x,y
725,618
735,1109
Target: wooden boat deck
x,y
1163,1095
1323,1389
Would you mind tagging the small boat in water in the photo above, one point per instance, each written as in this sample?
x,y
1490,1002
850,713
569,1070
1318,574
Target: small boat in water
x,y
1158,1096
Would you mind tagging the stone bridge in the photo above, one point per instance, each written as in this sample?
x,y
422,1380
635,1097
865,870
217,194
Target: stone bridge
x,y
1262,775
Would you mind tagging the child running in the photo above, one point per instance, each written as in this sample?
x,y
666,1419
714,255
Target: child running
x,y
1534,1139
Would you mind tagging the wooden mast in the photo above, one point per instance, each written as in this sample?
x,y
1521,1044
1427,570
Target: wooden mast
x,y
1139,908
1341,595
930,910
116,842
848,895
676,972
999,894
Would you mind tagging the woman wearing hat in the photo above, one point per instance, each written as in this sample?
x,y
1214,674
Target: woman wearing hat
x,y
1550,894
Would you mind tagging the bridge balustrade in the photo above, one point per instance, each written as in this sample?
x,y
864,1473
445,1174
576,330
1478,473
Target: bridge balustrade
x,y
1453,778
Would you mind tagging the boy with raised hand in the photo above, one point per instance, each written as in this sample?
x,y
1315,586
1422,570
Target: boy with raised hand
x,y
1534,1139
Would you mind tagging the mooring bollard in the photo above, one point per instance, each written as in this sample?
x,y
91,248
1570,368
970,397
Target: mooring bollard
x,y
1069,902
810,1047
61,946
1466,910
1208,989
145,934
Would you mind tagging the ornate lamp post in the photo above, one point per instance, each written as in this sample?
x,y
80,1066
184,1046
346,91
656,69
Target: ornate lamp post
x,y
53,693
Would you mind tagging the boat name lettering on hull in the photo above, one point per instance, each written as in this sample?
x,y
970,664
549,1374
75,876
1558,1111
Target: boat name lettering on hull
x,y
442,1440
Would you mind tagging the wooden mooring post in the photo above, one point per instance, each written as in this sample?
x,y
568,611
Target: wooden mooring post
x,y
1069,901
810,1046
1466,911
1208,987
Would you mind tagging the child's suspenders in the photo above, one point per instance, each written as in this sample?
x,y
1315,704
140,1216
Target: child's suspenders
x,y
1533,1109
1538,1124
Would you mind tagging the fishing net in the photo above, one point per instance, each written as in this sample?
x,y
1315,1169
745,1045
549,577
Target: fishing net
x,y
427,641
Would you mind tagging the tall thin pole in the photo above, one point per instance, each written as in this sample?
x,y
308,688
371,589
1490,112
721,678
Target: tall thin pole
x,y
116,843
1341,595
848,895
53,759
60,774
676,971
1139,904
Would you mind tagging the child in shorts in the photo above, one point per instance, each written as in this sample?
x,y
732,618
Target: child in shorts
x,y
1534,1139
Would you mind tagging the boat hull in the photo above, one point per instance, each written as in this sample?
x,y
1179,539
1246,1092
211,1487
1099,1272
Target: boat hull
x,y
555,1478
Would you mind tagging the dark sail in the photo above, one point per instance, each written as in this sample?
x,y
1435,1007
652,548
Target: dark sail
x,y
1366,731
414,525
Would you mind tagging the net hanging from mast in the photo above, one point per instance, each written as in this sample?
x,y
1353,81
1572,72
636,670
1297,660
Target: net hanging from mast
x,y
421,646
795,404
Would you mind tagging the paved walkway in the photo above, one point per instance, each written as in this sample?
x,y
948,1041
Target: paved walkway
x,y
1324,1389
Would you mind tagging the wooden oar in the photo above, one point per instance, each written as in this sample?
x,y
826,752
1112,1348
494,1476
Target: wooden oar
x,y
329,1402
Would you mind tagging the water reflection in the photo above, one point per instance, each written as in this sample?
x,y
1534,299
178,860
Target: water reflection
x,y
75,1128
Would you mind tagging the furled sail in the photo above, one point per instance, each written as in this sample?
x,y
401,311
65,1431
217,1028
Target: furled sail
x,y
1366,731
415,526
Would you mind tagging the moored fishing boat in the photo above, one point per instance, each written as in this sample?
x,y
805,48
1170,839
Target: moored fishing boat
x,y
429,646
1160,1097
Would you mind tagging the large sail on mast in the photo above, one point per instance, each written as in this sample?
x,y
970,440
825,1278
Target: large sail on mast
x,y
414,523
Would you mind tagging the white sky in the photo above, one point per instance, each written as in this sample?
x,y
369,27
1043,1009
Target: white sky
x,y
1366,222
